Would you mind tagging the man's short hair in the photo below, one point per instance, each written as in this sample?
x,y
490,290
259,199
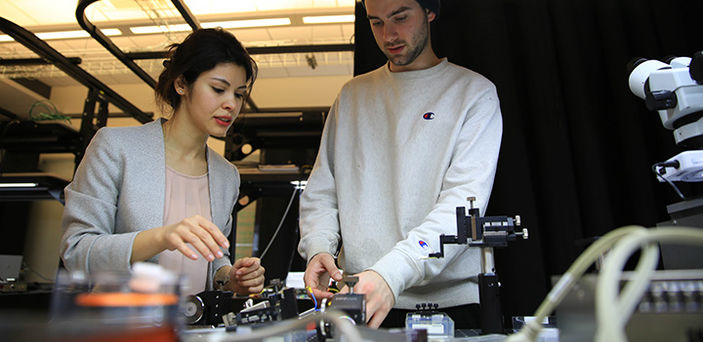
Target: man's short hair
x,y
431,5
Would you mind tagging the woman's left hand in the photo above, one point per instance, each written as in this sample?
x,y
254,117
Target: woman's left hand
x,y
247,276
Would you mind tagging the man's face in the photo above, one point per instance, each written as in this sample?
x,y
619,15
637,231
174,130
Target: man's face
x,y
401,30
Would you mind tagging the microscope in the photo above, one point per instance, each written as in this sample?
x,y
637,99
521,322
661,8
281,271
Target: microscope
x,y
675,90
485,232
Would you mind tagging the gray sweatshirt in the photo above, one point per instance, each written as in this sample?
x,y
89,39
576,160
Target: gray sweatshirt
x,y
399,152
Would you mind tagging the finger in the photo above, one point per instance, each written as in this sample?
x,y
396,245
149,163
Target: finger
x,y
209,242
376,310
316,281
371,310
251,275
310,279
212,230
372,306
176,242
249,269
251,282
321,294
183,248
208,233
199,245
246,262
376,320
256,289
331,268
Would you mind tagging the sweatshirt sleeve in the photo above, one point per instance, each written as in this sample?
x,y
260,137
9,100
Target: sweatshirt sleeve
x,y
89,242
470,173
319,220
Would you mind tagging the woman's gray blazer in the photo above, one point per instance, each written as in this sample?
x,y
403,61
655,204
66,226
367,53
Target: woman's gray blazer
x,y
118,190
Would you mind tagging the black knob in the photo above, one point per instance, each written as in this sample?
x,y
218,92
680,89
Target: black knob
x,y
660,99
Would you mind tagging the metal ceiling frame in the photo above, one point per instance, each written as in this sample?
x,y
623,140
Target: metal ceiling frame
x,y
34,61
49,186
108,44
128,58
258,50
44,50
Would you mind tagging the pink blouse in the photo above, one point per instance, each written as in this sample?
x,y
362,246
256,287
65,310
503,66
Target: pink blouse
x,y
186,196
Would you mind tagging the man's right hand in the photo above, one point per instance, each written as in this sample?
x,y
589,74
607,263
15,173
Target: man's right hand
x,y
318,272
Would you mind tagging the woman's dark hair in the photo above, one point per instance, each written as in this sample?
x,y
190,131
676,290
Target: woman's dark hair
x,y
201,51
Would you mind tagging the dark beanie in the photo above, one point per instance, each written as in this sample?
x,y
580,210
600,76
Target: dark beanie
x,y
432,5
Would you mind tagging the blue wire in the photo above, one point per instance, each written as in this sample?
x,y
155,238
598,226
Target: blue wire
x,y
313,299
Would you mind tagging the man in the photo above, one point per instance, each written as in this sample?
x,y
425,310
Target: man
x,y
402,147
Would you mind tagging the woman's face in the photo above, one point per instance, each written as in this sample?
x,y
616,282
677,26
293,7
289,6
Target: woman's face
x,y
214,100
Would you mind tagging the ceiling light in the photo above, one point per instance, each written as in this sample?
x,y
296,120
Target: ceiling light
x,y
66,34
248,23
111,32
329,19
63,34
160,28
19,185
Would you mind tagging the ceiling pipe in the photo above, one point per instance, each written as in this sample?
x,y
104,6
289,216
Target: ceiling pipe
x,y
33,61
41,48
108,44
259,50
186,14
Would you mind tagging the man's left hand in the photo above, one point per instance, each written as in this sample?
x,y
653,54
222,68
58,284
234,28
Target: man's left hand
x,y
379,297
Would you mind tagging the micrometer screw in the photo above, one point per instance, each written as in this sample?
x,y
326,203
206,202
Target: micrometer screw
x,y
471,200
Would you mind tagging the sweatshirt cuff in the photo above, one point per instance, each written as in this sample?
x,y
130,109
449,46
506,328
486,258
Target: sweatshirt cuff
x,y
398,270
316,247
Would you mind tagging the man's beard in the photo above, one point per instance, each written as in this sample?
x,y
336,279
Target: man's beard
x,y
419,42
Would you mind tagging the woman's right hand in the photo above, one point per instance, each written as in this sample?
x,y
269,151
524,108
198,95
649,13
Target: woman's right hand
x,y
197,231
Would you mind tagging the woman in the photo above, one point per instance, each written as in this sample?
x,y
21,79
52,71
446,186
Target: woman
x,y
156,192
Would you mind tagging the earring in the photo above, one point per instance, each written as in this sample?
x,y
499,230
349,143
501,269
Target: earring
x,y
180,91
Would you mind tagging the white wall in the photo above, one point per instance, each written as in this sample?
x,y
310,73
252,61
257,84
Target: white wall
x,y
41,250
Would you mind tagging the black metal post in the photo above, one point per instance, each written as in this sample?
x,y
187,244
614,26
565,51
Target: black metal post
x,y
489,297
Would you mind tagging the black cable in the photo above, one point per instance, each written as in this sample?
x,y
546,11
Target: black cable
x,y
674,164
26,267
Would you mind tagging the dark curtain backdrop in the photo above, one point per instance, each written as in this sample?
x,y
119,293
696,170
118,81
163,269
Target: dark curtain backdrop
x,y
577,144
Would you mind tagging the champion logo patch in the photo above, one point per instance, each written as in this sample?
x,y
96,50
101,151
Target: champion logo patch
x,y
422,244
428,116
